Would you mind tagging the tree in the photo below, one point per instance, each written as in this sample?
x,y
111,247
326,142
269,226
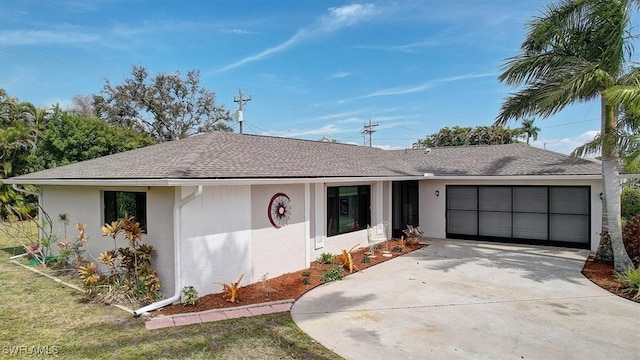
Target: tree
x,y
460,136
72,138
17,144
573,53
166,106
529,130
83,105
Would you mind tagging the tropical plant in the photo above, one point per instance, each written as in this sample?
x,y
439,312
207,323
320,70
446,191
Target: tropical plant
x,y
346,259
190,296
575,52
630,202
332,274
529,130
460,136
630,281
231,291
631,238
325,258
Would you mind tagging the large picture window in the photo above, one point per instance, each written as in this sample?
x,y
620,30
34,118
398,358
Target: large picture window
x,y
348,209
119,203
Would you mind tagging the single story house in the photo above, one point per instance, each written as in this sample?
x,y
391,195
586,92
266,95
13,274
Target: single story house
x,y
222,204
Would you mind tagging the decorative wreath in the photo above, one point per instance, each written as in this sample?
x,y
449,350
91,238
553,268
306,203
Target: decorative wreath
x,y
279,210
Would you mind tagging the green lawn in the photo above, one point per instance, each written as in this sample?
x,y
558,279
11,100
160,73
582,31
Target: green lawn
x,y
37,312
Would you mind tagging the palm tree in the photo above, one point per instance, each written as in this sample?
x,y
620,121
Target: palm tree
x,y
575,52
529,130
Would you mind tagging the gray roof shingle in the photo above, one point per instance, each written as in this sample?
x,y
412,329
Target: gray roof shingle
x,y
221,155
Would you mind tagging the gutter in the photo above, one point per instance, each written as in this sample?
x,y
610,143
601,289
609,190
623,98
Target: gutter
x,y
177,219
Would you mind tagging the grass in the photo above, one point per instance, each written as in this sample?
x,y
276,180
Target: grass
x,y
35,311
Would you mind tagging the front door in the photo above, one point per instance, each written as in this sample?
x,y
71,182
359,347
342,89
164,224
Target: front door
x,y
405,206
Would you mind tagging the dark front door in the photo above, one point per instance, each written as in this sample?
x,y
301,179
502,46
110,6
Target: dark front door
x,y
405,206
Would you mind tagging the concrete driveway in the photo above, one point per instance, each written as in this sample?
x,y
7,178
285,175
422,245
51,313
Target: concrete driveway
x,y
472,300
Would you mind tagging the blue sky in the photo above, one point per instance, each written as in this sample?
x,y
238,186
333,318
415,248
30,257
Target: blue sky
x,y
313,68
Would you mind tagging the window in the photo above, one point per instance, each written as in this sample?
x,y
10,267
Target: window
x,y
119,203
348,209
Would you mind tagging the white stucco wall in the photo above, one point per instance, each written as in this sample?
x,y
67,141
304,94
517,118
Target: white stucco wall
x,y
433,208
84,204
380,212
216,237
277,251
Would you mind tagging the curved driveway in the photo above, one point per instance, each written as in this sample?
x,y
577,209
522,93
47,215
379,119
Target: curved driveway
x,y
472,300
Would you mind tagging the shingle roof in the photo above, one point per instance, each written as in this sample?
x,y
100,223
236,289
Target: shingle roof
x,y
221,155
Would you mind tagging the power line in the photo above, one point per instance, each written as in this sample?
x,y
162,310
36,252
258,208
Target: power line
x,y
240,102
368,130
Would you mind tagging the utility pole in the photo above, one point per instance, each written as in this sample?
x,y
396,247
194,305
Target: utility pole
x,y
240,102
368,130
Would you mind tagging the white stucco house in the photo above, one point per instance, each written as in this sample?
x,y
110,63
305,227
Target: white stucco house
x,y
219,205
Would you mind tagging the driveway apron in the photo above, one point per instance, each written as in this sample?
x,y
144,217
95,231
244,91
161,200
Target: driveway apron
x,y
472,300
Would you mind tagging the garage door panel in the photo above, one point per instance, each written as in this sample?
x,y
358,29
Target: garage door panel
x,y
569,228
530,226
462,222
530,199
462,198
495,224
495,198
568,200
554,215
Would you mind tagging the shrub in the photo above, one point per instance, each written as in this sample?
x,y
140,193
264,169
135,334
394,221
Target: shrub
x,y
631,239
365,260
630,280
325,258
630,202
189,296
306,281
333,273
397,249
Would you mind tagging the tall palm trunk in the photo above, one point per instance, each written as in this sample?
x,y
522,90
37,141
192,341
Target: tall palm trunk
x,y
611,185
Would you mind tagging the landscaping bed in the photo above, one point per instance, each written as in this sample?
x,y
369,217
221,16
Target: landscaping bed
x,y
603,276
290,285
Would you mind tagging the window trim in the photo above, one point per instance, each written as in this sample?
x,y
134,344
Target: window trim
x,y
140,198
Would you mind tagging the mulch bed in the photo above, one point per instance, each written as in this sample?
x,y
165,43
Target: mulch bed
x,y
287,286
603,276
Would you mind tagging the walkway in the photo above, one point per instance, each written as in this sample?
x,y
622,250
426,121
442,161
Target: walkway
x,y
472,300
218,314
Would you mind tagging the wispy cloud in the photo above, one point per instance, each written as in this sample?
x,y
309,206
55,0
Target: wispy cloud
x,y
406,48
236,31
424,86
336,19
565,145
339,75
31,37
324,130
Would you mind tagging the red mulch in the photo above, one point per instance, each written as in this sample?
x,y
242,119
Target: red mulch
x,y
602,275
287,286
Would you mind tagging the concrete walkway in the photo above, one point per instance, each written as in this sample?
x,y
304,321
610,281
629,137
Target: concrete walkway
x,y
218,314
472,300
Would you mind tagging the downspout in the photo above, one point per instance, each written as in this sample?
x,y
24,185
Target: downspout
x,y
16,188
177,219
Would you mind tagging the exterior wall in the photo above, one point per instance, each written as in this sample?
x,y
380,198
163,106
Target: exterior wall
x,y
216,237
433,208
380,212
277,251
83,204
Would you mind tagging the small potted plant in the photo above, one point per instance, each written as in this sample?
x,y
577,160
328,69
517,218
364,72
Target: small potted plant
x,y
413,233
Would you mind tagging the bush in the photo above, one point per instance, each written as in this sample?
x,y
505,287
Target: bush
x,y
630,280
630,202
189,296
325,258
631,239
333,273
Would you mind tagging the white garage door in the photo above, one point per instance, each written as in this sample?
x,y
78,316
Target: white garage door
x,y
548,215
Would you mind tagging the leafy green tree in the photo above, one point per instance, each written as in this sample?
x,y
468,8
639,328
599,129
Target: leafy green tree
x,y
574,52
166,106
72,138
460,136
17,144
529,130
